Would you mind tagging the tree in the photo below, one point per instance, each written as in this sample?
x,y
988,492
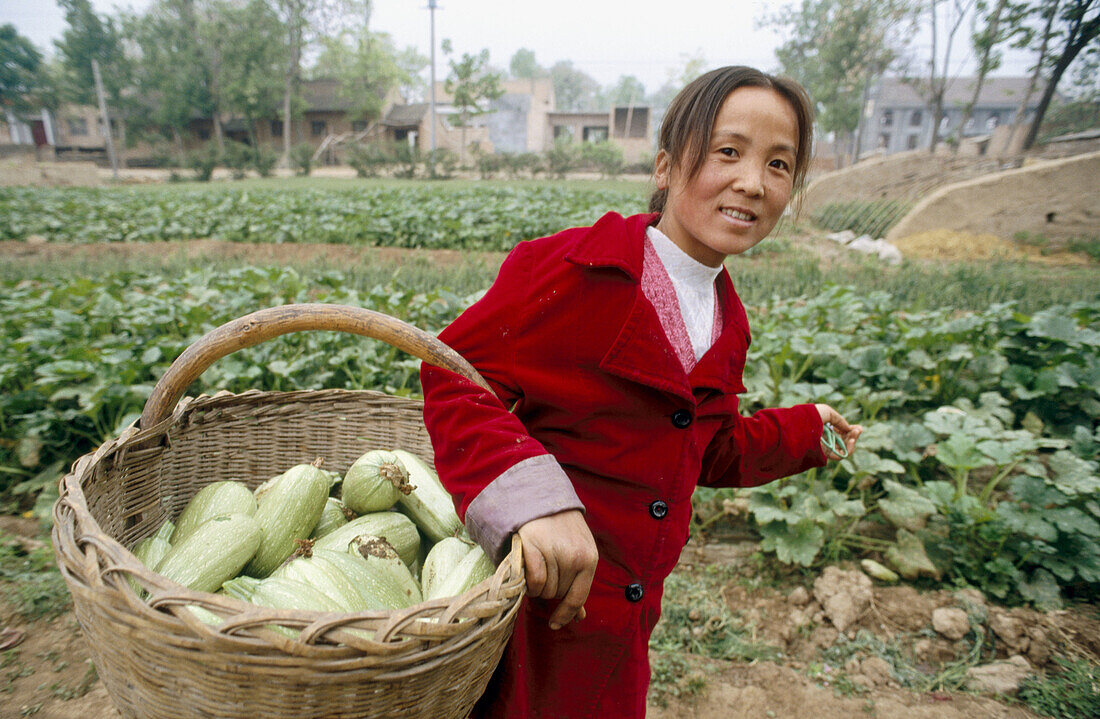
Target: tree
x,y
574,91
251,75
1048,12
410,83
995,26
20,63
368,67
306,23
1078,22
836,49
169,73
523,65
691,67
628,91
471,84
90,36
943,17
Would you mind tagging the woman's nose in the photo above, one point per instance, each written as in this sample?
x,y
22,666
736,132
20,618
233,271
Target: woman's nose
x,y
749,179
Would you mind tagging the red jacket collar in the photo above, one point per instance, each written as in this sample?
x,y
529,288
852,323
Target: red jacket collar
x,y
614,241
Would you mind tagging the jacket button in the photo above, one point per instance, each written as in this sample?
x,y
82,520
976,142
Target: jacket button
x,y
681,419
634,592
659,509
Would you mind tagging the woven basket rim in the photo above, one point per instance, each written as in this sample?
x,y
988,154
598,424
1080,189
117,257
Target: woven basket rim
x,y
91,558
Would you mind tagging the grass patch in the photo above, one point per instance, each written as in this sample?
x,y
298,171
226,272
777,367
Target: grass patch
x,y
870,217
951,676
1069,692
672,675
30,581
696,619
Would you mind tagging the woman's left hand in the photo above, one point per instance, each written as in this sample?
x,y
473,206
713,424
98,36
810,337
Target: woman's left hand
x,y
849,433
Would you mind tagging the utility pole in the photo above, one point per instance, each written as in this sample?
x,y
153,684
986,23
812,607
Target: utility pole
x,y
431,8
106,118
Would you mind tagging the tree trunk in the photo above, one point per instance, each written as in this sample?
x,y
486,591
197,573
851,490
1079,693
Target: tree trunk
x,y
937,117
983,69
177,138
284,161
1021,111
937,95
1048,93
1080,38
219,134
295,20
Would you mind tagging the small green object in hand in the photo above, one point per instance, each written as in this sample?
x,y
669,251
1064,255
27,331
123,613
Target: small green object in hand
x,y
833,441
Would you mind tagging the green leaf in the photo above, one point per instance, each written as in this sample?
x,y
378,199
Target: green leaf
x,y
1027,522
840,506
1054,327
766,508
1042,590
905,507
1071,520
960,452
1073,475
793,544
910,439
909,558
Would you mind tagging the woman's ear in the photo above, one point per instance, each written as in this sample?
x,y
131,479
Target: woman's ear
x,y
662,167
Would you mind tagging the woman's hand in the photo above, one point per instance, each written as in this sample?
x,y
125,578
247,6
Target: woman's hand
x,y
849,433
560,557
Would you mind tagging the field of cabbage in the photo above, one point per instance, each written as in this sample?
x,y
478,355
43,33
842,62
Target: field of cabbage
x,y
387,215
980,462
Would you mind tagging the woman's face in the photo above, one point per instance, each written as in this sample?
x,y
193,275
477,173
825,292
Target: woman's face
x,y
744,183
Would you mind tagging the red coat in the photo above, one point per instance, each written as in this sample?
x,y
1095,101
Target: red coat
x,y
571,345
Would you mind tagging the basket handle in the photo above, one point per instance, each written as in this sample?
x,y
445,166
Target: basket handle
x,y
262,325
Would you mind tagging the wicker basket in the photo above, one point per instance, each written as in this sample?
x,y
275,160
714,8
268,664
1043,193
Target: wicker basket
x,y
432,660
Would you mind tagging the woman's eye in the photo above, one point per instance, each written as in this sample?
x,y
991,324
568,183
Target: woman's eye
x,y
780,164
728,151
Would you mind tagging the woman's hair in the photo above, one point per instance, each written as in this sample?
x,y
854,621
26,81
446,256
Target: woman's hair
x,y
689,120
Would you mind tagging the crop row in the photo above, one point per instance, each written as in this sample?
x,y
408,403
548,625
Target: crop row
x,y
978,466
483,218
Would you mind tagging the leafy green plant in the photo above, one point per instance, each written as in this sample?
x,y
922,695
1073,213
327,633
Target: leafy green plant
x,y
264,161
873,217
561,158
79,357
488,164
301,158
1071,691
422,215
238,158
1086,245
441,163
603,156
203,163
29,579
801,520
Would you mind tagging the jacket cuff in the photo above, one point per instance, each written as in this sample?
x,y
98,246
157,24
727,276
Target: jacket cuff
x,y
532,488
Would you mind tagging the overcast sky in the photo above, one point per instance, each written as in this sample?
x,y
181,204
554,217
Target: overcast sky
x,y
650,40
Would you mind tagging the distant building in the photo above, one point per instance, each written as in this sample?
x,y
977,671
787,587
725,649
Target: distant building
x,y
896,117
521,120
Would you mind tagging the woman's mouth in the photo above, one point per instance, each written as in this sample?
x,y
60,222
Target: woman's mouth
x,y
742,215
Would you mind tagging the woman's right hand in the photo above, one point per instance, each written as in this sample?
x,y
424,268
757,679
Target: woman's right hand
x,y
560,557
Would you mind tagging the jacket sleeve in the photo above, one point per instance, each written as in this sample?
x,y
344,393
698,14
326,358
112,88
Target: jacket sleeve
x,y
499,476
771,444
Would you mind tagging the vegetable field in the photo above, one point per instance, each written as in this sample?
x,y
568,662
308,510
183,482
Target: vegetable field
x,y
412,215
979,385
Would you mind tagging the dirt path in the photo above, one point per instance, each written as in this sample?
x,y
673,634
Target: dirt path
x,y
49,674
268,252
